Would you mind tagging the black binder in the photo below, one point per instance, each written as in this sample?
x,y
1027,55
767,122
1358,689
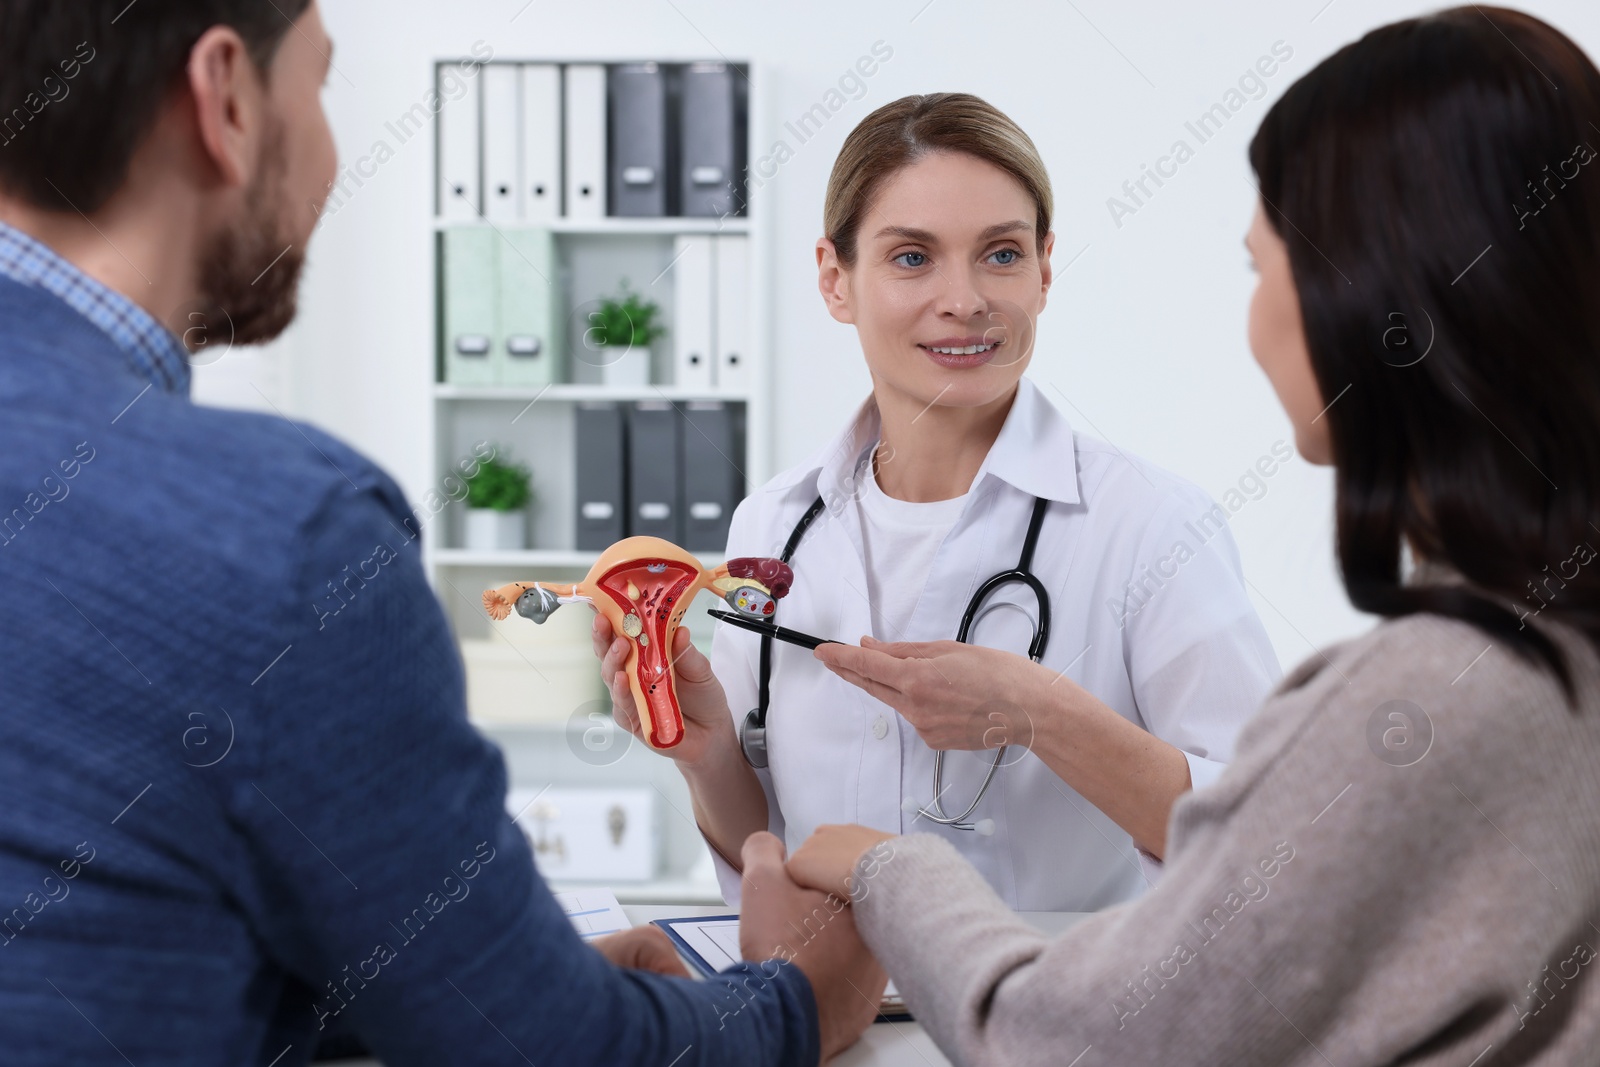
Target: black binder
x,y
640,140
601,475
713,475
710,174
655,486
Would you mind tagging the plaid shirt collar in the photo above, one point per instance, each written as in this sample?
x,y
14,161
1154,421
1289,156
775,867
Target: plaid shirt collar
x,y
152,350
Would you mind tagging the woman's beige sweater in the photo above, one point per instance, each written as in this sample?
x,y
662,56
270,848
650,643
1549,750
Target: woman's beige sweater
x,y
1402,866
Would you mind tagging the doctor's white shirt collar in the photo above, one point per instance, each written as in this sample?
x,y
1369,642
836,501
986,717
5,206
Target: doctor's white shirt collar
x,y
1035,452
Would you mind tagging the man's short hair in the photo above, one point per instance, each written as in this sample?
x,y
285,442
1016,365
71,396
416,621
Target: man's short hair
x,y
81,83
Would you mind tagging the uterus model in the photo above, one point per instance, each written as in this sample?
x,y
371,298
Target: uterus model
x,y
643,585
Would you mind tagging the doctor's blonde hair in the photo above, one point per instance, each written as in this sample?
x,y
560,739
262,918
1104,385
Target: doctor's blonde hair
x,y
902,132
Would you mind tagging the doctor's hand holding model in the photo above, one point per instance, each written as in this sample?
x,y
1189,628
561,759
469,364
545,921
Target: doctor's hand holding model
x,y
1059,643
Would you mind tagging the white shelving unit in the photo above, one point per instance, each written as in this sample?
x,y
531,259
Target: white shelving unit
x,y
636,226
574,393
537,426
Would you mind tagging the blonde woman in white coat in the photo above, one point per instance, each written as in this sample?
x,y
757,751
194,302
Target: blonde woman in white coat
x,y
937,250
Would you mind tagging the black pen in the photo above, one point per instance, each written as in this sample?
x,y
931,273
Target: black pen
x,y
782,633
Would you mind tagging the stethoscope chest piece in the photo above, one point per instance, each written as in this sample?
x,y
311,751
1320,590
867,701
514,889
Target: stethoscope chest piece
x,y
753,739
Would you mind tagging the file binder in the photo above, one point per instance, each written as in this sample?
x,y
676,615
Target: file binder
x,y
638,136
585,161
694,355
460,192
733,312
711,179
541,142
529,351
654,485
601,475
469,328
713,475
710,943
501,151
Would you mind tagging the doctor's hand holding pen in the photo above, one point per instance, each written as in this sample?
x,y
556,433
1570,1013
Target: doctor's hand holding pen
x,y
967,697
729,803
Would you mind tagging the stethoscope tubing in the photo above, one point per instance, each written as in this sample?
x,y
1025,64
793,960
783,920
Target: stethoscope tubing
x,y
752,732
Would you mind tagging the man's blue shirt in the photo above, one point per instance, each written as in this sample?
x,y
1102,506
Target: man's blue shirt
x,y
229,816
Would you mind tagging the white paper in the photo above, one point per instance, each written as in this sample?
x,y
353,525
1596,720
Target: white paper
x,y
717,942
594,912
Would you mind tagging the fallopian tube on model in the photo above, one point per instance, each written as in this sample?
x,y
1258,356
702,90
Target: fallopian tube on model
x,y
643,585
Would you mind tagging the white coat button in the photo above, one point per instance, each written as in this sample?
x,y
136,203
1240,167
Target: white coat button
x,y
880,728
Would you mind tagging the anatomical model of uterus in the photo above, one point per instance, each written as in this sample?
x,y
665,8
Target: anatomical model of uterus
x,y
643,585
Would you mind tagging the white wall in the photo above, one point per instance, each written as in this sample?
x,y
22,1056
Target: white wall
x,y
1145,330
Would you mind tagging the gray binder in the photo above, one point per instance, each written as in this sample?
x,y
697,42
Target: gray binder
x,y
654,483
639,140
711,165
601,476
713,475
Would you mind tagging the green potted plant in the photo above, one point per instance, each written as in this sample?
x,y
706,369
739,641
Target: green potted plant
x,y
497,501
624,327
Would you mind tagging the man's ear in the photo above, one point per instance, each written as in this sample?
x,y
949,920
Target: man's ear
x,y
833,282
229,103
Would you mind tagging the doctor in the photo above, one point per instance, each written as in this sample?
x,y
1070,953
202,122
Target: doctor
x,y
938,240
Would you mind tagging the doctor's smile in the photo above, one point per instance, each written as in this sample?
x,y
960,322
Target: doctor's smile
x,y
958,352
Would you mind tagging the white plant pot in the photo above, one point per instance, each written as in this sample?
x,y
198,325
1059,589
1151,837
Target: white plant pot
x,y
489,530
626,367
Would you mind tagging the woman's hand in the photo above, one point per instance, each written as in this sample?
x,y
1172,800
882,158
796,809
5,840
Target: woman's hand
x,y
956,696
827,860
644,948
815,931
707,722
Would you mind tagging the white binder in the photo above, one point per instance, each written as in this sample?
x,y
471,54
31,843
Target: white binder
x,y
586,141
501,153
693,315
733,312
541,142
460,180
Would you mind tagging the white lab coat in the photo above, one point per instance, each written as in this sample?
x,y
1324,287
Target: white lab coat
x,y
1167,638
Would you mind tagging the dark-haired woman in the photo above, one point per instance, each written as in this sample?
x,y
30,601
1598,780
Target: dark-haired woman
x,y
1402,865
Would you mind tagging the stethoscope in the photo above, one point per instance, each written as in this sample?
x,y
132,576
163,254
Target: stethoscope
x,y
753,731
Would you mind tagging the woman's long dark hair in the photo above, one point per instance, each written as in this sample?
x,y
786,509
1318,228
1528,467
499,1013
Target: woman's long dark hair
x,y
1437,184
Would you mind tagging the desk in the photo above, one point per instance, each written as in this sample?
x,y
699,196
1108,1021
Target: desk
x,y
884,1044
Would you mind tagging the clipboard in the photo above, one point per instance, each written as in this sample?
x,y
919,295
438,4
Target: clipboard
x,y
709,943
